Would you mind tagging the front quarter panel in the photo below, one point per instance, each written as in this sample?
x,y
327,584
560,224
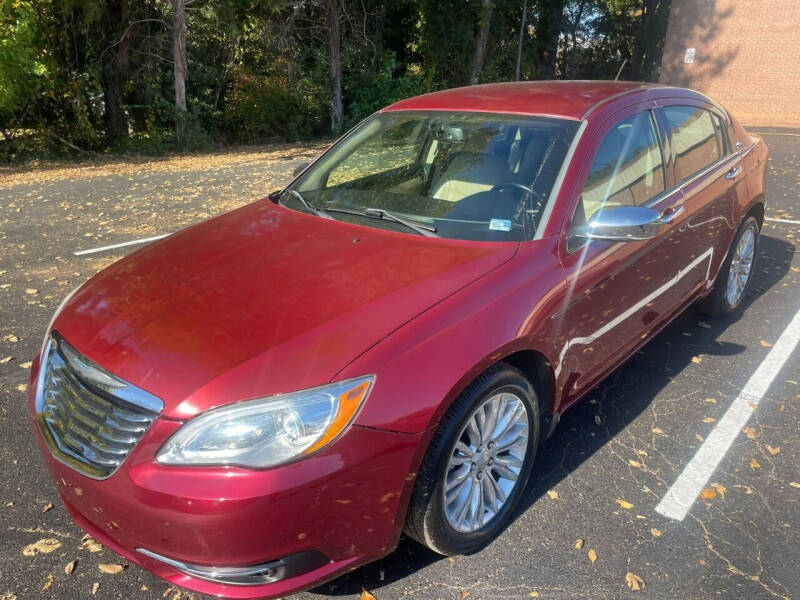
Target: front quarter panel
x,y
423,366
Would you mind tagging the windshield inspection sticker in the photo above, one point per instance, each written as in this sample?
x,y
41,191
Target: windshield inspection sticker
x,y
500,225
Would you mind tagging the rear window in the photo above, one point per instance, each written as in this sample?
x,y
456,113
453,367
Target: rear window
x,y
696,140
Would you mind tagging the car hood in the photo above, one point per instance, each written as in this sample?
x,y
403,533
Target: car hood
x,y
259,301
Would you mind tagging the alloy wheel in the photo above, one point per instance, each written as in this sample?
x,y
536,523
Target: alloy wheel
x,y
741,267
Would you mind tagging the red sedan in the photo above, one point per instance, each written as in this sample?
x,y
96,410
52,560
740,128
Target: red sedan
x,y
261,402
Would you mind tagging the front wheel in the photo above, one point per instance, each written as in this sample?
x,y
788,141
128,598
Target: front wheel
x,y
476,467
736,273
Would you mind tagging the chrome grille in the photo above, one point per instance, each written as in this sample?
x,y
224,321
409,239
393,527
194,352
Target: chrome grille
x,y
90,419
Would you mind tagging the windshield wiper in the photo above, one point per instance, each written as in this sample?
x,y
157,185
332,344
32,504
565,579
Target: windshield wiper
x,y
380,213
317,211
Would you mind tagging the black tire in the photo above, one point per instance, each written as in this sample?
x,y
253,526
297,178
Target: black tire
x,y
716,303
426,521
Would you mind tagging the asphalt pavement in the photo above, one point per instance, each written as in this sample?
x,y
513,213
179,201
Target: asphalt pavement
x,y
588,527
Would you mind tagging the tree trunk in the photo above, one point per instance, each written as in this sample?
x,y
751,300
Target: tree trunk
x,y
179,65
114,70
485,22
548,29
335,66
521,37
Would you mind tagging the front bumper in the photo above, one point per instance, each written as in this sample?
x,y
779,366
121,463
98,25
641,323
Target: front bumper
x,y
346,502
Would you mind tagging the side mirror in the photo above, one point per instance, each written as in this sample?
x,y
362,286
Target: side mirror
x,y
300,168
624,224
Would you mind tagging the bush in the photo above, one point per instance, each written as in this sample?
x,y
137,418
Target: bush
x,y
261,108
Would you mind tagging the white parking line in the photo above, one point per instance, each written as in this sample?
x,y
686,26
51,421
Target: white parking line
x,y
122,245
680,497
782,220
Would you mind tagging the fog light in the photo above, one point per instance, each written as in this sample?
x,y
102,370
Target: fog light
x,y
276,570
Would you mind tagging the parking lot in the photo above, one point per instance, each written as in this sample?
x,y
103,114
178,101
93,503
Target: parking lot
x,y
588,527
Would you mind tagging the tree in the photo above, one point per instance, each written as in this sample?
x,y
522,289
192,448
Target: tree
x,y
114,64
548,26
335,66
484,25
179,65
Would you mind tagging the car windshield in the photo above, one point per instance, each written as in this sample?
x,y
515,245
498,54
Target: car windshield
x,y
468,176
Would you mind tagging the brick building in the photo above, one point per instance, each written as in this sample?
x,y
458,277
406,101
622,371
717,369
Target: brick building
x,y
743,53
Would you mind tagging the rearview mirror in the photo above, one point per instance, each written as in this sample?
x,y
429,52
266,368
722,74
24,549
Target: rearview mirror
x,y
621,224
300,168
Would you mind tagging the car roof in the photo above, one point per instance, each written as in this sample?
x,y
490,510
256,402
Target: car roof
x,y
565,99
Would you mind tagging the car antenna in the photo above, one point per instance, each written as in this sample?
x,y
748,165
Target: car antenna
x,y
620,70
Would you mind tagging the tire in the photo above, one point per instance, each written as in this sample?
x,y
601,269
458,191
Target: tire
x,y
719,303
500,387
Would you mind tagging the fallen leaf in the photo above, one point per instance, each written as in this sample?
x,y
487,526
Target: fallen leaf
x,y
47,507
534,594
624,504
111,569
43,546
365,595
655,532
634,582
49,583
773,451
461,596
31,291
6,359
794,484
708,494
10,339
634,463
699,437
754,464
720,489
553,495
95,587
90,544
704,325
641,453
592,555
658,431
579,543
70,567
766,344
710,400
22,387
750,432
697,360
25,365
709,420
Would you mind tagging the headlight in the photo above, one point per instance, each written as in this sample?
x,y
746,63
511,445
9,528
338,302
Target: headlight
x,y
268,431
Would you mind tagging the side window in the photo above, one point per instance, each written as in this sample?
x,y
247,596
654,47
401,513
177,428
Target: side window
x,y
722,132
696,142
628,168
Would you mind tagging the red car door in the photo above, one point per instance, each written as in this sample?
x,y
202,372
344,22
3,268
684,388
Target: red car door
x,y
710,177
618,291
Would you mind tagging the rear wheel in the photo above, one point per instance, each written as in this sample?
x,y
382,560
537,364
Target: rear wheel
x,y
476,467
736,273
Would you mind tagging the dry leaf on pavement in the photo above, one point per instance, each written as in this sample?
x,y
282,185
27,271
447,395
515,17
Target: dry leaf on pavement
x,y
31,291
6,359
592,555
772,450
720,489
624,504
10,339
43,546
697,360
709,420
750,432
634,582
658,431
795,484
365,595
70,567
708,494
754,464
95,587
655,532
47,507
90,544
552,495
49,583
765,343
579,543
111,569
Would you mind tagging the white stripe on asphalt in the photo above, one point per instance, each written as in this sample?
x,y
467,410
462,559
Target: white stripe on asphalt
x,y
680,497
122,245
782,220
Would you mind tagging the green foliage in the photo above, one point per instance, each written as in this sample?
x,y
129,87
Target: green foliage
x,y
84,76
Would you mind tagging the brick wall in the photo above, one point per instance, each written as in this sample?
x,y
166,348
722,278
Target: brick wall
x,y
747,56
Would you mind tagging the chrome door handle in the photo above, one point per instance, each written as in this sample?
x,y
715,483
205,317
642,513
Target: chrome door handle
x,y
733,172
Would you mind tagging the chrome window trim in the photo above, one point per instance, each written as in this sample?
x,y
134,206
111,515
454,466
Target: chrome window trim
x,y
544,221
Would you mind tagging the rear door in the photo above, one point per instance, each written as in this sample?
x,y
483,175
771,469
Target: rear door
x,y
709,175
